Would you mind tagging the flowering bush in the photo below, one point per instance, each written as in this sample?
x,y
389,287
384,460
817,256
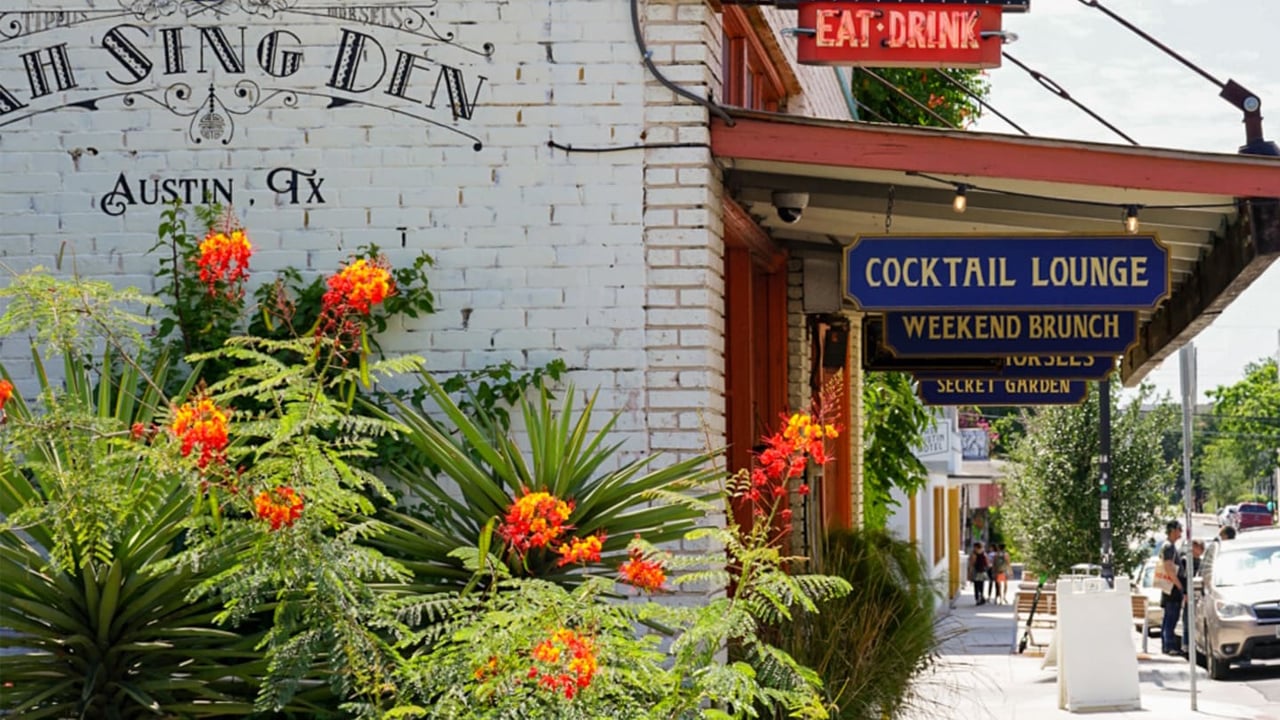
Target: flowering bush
x,y
510,646
224,262
179,509
200,424
280,507
535,520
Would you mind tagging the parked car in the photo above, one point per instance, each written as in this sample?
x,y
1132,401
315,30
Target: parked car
x,y
1144,583
1238,615
1227,516
1251,515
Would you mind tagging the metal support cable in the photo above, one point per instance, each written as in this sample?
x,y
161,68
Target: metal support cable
x,y
985,105
1231,91
1047,83
1143,34
908,96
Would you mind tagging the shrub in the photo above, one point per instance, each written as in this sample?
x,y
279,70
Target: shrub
x,y
872,644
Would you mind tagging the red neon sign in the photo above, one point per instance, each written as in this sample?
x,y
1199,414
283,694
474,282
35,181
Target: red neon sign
x,y
915,35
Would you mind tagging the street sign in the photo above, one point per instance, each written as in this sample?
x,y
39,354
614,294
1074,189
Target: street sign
x,y
1069,367
911,35
991,392
1006,272
960,334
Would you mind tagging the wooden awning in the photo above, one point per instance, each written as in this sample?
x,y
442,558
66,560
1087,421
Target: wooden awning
x,y
1218,213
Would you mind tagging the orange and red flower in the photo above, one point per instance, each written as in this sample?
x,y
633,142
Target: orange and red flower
x,y
280,507
358,287
581,550
224,258
199,423
6,392
535,520
568,662
645,574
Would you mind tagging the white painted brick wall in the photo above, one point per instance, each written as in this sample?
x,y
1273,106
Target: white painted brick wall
x,y
612,261
822,96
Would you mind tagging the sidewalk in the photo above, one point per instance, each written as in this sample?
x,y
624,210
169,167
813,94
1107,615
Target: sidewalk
x,y
981,677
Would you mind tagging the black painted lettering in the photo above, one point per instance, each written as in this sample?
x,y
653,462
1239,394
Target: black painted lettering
x,y
8,103
119,199
154,199
54,59
170,189
215,38
134,62
174,57
275,60
188,190
398,86
221,192
462,106
351,53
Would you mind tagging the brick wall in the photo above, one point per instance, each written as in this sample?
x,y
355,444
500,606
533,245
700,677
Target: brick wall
x,y
611,261
683,236
821,96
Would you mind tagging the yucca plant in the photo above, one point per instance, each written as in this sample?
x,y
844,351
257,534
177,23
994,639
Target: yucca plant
x,y
471,476
84,514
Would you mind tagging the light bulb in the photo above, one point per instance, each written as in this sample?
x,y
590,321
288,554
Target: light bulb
x,y
1131,219
960,202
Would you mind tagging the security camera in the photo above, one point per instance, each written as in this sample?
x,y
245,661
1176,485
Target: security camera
x,y
790,205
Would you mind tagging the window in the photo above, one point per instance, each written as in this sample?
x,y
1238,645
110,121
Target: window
x,y
751,78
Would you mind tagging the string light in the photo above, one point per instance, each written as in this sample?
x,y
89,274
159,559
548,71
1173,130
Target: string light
x,y
1131,219
1130,211
961,202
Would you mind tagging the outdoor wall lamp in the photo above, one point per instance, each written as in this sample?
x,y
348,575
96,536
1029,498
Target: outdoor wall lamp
x,y
1131,219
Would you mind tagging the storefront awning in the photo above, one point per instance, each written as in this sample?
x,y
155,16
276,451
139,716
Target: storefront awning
x,y
1218,213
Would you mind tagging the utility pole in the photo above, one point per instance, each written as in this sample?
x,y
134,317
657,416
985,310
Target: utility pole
x,y
1187,370
1104,480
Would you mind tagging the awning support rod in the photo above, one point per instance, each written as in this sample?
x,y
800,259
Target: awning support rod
x,y
1231,91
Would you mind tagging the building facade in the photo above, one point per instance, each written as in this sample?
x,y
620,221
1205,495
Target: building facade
x,y
567,194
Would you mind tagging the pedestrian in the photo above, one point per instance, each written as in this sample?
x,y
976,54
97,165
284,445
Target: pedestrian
x,y
1197,550
991,573
1227,533
1171,601
978,572
1000,569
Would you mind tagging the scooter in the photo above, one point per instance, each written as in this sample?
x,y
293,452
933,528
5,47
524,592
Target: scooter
x,y
1035,601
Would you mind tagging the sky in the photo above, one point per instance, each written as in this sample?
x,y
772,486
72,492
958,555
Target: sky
x,y
1159,103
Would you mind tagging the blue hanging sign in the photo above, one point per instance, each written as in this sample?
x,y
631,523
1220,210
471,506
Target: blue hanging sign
x,y
1068,367
983,334
1006,272
992,391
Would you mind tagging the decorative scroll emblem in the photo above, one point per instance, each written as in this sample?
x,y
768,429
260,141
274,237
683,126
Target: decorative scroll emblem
x,y
403,59
153,9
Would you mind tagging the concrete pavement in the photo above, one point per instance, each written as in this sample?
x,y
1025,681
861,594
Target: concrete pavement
x,y
981,677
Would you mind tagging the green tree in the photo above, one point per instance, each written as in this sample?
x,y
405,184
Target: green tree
x,y
1247,420
1051,499
895,421
948,94
1223,476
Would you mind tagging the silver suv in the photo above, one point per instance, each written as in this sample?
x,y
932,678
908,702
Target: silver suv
x,y
1239,612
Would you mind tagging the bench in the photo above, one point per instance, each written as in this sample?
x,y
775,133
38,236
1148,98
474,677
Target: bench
x,y
1138,606
1046,613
